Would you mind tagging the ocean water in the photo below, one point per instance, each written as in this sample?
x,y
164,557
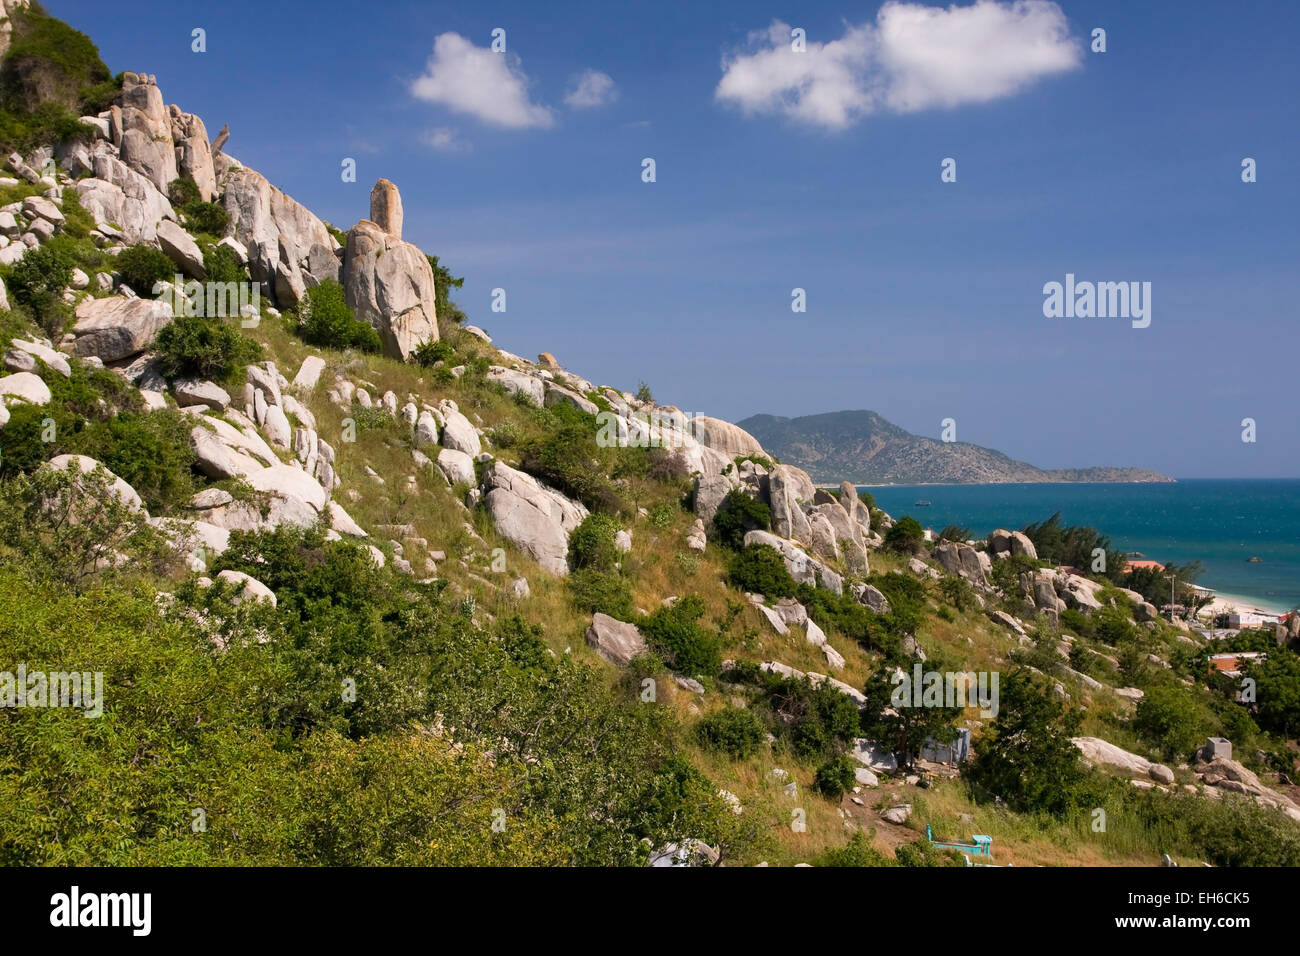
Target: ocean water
x,y
1220,523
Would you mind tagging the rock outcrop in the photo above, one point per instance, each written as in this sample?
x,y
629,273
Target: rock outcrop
x,y
390,285
534,518
289,248
115,328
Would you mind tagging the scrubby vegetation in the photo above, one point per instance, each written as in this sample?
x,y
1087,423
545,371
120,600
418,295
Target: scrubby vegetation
x,y
324,318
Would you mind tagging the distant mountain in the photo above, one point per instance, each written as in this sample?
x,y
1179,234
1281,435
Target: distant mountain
x,y
862,447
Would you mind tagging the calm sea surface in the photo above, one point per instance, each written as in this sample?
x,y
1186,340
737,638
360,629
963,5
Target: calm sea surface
x,y
1220,523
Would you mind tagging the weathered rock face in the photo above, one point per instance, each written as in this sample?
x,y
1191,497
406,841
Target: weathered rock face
x,y
386,208
518,383
1096,750
615,640
731,440
804,569
181,249
122,199
115,328
390,285
788,488
710,490
289,249
193,152
963,560
534,518
118,488
146,145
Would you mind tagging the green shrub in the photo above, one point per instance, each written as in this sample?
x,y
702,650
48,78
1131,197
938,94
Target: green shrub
x,y
591,544
325,319
675,634
206,217
905,537
151,452
183,191
37,281
142,267
761,569
569,459
427,354
661,516
199,347
736,732
859,851
835,777
221,263
1167,718
738,514
600,591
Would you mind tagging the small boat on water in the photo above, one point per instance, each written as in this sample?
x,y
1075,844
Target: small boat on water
x,y
922,503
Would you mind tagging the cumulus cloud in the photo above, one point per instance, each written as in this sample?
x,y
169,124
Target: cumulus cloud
x,y
589,89
444,140
913,57
473,80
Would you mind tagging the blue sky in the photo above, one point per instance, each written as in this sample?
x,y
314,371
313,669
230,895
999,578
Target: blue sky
x,y
924,299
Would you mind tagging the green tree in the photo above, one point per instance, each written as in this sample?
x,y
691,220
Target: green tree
x,y
905,537
443,283
738,514
1027,757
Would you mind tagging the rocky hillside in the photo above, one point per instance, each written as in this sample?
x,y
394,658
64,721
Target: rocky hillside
x,y
867,449
365,588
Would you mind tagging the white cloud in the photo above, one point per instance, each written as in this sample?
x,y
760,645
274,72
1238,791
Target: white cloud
x,y
912,58
445,140
488,86
591,88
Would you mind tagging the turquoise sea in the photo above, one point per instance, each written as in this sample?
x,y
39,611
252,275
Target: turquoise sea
x,y
1220,523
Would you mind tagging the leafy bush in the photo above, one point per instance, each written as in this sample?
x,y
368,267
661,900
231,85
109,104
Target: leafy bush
x,y
661,516
736,732
206,217
325,319
738,514
642,392
591,544
600,591
427,354
183,191
761,569
141,267
1167,718
151,452
221,263
37,281
675,634
905,537
199,347
859,851
835,777
569,459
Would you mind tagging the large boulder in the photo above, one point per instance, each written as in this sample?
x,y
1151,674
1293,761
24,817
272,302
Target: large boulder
x,y
616,641
122,200
963,560
1098,751
116,328
386,208
458,433
193,151
26,387
787,489
732,440
289,248
518,383
390,285
710,490
118,488
146,145
296,497
534,518
181,249
804,569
